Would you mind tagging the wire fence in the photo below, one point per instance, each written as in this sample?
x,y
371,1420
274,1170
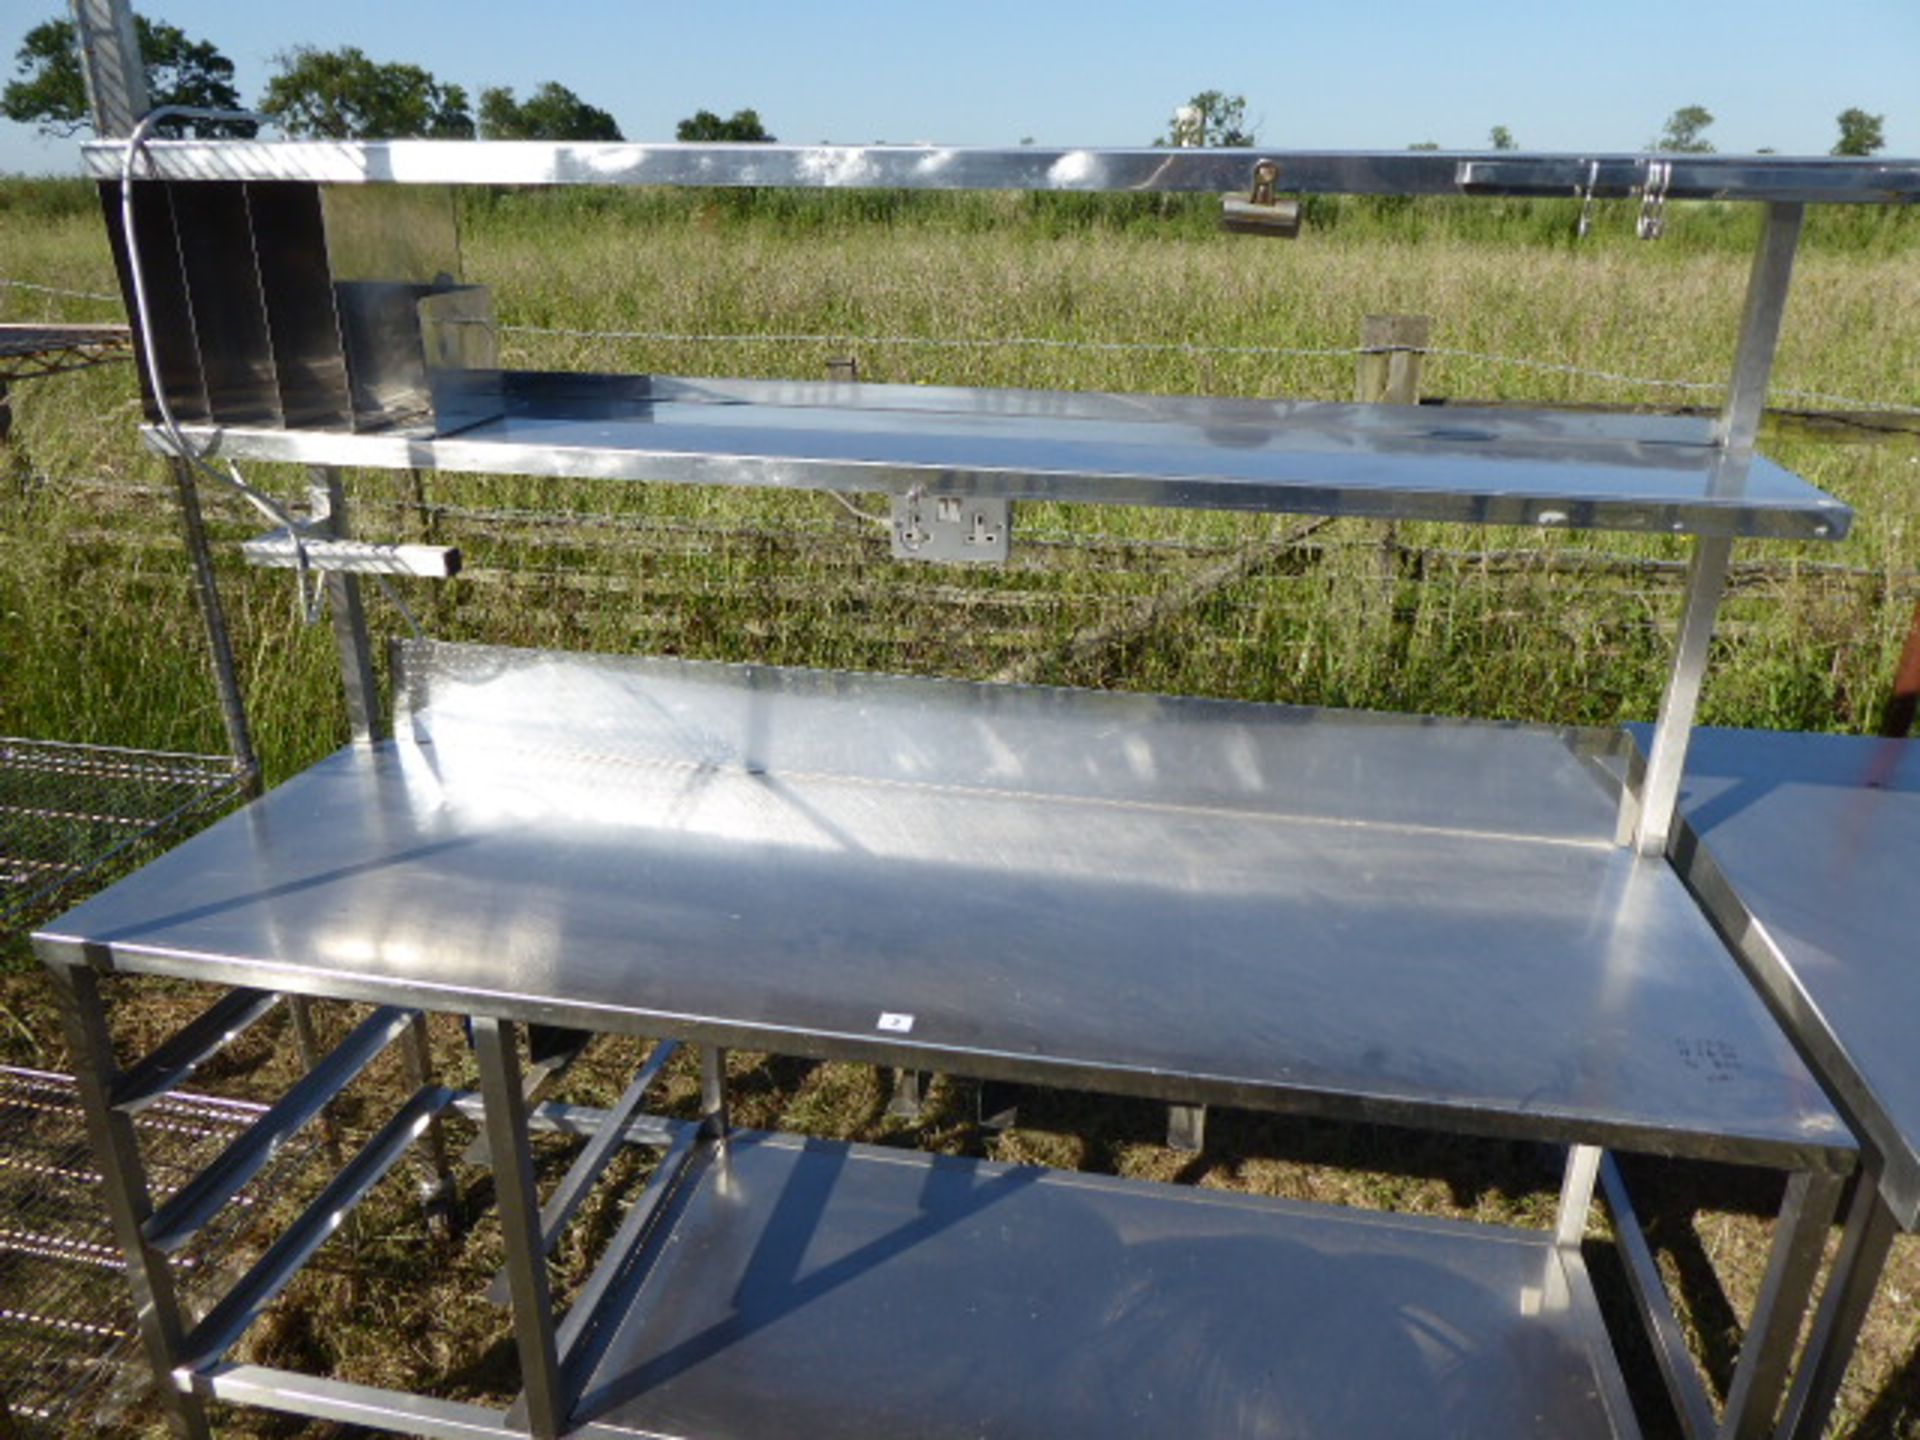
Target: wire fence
x,y
1349,614
1002,343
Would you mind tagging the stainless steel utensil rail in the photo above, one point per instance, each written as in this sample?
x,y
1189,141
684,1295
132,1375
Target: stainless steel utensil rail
x,y
1797,180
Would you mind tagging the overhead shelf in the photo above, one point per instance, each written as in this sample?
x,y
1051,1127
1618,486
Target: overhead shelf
x,y
1028,167
1476,466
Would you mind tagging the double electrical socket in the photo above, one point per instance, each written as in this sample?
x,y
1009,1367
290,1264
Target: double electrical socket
x,y
953,529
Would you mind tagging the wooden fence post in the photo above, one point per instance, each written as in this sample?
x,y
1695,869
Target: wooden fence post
x,y
1896,722
1388,372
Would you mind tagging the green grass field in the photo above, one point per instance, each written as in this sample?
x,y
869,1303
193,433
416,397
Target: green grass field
x,y
99,641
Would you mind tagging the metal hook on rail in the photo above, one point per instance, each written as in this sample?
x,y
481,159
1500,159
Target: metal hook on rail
x,y
1586,200
1653,200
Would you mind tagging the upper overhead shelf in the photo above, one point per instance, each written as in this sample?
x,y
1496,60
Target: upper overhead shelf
x,y
1029,167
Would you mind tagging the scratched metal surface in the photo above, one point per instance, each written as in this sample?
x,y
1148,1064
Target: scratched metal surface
x,y
1422,921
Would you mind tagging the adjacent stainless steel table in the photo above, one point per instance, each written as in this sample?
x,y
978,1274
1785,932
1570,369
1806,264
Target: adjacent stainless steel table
x,y
1803,848
1423,921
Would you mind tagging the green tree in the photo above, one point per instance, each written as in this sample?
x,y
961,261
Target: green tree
x,y
51,95
1424,145
1685,132
1501,138
553,112
1860,133
1210,118
343,95
704,125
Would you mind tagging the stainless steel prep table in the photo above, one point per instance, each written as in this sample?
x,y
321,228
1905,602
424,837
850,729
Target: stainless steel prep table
x,y
1803,847
1381,917
1466,926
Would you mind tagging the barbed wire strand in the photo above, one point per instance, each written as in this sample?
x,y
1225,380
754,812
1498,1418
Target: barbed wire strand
x,y
1163,347
1175,347
58,290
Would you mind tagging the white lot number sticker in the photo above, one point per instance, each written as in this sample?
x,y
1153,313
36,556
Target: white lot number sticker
x,y
898,1024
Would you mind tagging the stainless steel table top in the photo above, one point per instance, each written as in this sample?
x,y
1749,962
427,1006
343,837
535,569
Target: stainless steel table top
x,y
1388,918
1472,466
809,1290
1805,848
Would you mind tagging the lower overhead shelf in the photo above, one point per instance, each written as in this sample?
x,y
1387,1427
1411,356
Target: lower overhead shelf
x,y
1471,466
803,1288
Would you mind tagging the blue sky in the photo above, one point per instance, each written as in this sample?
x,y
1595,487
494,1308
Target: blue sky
x,y
1572,75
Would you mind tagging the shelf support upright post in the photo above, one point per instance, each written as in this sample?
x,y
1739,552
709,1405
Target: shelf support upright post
x,y
348,613
1773,1330
1646,819
213,615
1576,1194
110,63
116,81
713,1091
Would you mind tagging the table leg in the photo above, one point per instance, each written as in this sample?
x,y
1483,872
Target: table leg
x,y
1187,1128
1773,1330
440,1192
713,1090
495,1043
1843,1309
116,1149
1576,1193
306,1040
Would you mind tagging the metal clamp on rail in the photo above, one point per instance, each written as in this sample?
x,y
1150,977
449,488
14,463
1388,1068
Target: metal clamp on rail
x,y
1262,212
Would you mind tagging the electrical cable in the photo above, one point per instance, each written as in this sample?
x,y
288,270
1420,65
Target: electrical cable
x,y
143,319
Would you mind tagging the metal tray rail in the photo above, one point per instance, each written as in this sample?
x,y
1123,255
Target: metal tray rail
x,y
170,1063
242,1304
197,1203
